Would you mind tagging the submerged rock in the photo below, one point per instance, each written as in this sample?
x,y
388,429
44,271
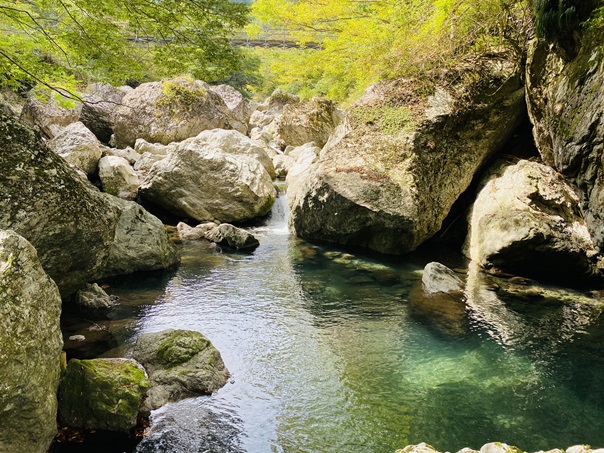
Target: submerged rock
x,y
180,364
30,348
74,228
232,236
526,220
102,394
169,111
391,172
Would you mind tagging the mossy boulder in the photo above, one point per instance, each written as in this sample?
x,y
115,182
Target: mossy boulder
x,y
405,152
102,394
74,228
30,348
168,111
565,97
180,364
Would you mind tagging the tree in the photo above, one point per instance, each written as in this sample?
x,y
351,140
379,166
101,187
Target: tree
x,y
60,42
366,40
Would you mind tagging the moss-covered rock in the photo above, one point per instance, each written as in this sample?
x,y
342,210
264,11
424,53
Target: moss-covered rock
x,y
168,111
74,228
102,394
565,96
406,151
180,364
30,348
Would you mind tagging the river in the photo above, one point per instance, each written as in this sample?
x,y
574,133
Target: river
x,y
335,352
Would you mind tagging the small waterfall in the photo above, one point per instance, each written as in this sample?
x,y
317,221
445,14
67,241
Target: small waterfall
x,y
279,215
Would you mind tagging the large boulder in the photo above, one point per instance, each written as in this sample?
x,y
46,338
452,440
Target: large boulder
x,y
565,96
30,351
311,121
140,241
238,107
202,180
102,394
71,224
118,178
99,106
169,111
391,172
47,116
180,364
79,147
526,220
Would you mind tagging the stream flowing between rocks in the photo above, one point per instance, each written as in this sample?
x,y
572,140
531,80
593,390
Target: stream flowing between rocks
x,y
334,352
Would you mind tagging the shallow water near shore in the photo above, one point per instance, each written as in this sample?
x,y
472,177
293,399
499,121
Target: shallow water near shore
x,y
333,352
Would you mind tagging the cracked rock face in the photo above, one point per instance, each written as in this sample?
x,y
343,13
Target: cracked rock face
x,y
565,97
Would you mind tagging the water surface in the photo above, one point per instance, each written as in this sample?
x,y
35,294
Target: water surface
x,y
332,352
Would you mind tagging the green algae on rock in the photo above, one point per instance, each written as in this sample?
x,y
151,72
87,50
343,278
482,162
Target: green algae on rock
x,y
30,348
180,363
102,394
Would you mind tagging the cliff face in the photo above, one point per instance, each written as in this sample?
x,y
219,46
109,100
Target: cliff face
x,y
565,97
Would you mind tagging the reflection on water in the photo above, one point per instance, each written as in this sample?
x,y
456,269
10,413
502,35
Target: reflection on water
x,y
331,352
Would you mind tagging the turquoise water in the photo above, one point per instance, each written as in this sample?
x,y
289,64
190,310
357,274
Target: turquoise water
x,y
332,352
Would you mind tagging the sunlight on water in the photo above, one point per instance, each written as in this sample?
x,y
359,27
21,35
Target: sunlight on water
x,y
331,352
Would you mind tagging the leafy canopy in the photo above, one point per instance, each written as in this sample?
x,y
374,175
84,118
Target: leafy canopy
x,y
366,40
60,42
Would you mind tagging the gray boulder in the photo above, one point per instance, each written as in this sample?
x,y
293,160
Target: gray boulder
x,y
118,178
71,224
438,278
102,394
309,121
140,242
188,233
206,182
526,220
169,111
48,117
30,355
79,147
389,175
126,153
180,364
239,110
565,97
92,296
99,106
231,236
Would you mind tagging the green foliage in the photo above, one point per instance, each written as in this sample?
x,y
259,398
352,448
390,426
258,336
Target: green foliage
x,y
369,40
555,19
389,120
60,43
